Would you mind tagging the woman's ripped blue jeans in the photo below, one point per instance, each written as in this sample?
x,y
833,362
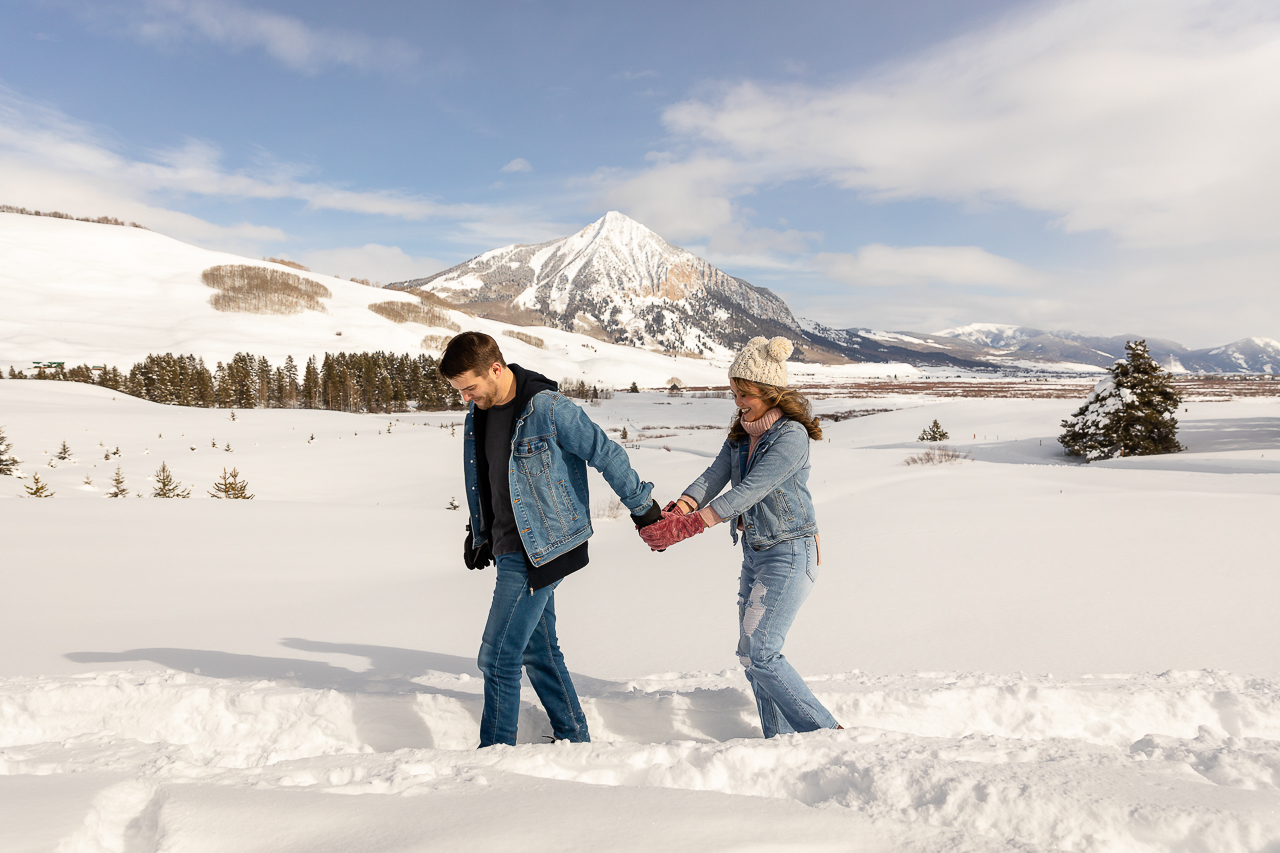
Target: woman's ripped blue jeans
x,y
774,583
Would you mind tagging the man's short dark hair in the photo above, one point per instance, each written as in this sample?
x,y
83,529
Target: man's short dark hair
x,y
470,352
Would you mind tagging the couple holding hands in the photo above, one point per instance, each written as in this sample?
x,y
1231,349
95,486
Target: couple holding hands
x,y
525,451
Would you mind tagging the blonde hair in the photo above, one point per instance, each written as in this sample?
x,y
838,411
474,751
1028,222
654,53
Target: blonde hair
x,y
790,401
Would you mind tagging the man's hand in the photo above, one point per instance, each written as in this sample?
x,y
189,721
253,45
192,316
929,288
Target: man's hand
x,y
651,515
672,529
476,558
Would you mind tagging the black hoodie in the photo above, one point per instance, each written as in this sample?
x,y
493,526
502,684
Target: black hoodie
x,y
528,383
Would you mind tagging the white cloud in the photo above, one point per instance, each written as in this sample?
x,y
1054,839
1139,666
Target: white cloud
x,y
517,165
50,161
877,265
699,199
380,264
1153,120
286,39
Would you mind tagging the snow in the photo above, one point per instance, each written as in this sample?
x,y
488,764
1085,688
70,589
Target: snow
x,y
986,334
1027,653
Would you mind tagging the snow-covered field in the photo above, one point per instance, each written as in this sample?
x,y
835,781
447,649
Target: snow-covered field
x,y
1027,654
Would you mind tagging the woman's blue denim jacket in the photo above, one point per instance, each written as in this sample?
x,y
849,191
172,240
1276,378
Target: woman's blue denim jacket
x,y
770,492
552,444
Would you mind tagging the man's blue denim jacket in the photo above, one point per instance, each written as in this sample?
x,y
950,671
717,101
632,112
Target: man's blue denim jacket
x,y
770,493
552,444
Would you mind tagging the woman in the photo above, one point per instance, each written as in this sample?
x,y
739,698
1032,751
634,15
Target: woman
x,y
765,460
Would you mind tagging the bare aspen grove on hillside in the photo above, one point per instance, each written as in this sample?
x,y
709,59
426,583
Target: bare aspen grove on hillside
x,y
529,339
412,312
261,290
436,343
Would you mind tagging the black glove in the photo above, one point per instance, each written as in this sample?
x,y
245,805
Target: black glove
x,y
652,515
476,558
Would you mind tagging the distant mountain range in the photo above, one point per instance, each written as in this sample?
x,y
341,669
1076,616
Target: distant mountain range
x,y
620,282
1023,346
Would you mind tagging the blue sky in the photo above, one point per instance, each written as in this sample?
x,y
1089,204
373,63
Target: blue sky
x,y
1101,166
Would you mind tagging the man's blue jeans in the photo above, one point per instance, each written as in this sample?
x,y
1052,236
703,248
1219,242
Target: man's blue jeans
x,y
774,583
522,632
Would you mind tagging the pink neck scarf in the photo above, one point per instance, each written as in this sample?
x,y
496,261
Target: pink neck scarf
x,y
757,428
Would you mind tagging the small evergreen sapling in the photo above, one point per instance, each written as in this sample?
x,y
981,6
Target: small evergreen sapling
x,y
634,389
64,453
8,462
117,485
933,432
231,487
167,486
38,489
1130,413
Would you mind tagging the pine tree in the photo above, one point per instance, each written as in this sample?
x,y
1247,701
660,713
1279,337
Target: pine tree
x,y
624,433
167,486
8,462
634,389
117,485
311,385
1130,413
38,489
933,432
64,453
290,383
231,487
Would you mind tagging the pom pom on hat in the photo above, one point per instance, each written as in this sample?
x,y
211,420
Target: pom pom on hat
x,y
764,361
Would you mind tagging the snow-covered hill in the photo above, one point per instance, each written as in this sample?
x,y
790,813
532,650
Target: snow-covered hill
x,y
618,280
80,292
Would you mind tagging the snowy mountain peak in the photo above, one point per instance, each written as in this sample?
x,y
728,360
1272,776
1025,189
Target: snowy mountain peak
x,y
997,335
619,281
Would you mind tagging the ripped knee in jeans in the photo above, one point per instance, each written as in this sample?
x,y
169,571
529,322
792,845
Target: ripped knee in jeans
x,y
753,611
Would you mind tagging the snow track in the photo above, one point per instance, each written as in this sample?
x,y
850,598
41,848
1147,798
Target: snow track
x,y
1177,761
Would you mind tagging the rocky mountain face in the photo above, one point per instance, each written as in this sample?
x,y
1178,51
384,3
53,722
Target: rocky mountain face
x,y
619,281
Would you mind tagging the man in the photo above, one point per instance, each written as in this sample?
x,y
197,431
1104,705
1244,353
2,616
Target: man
x,y
525,448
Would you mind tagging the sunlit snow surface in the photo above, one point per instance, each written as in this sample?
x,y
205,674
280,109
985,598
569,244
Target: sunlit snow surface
x,y
1027,653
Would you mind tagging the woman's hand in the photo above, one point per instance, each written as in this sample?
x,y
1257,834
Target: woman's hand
x,y
682,505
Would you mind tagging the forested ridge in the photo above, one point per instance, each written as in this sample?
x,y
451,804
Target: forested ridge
x,y
355,382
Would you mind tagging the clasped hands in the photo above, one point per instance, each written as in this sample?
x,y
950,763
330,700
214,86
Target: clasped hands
x,y
676,525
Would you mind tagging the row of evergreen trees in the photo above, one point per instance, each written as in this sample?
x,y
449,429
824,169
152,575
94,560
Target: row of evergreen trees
x,y
356,382
359,382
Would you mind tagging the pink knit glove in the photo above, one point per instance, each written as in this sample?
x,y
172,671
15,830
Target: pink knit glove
x,y
673,528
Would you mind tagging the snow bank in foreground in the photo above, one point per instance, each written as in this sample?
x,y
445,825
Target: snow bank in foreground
x,y
1141,762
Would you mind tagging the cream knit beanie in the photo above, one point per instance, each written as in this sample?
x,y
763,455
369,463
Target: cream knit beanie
x,y
764,361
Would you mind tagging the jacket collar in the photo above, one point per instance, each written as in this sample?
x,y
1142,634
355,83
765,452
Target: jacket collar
x,y
528,384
